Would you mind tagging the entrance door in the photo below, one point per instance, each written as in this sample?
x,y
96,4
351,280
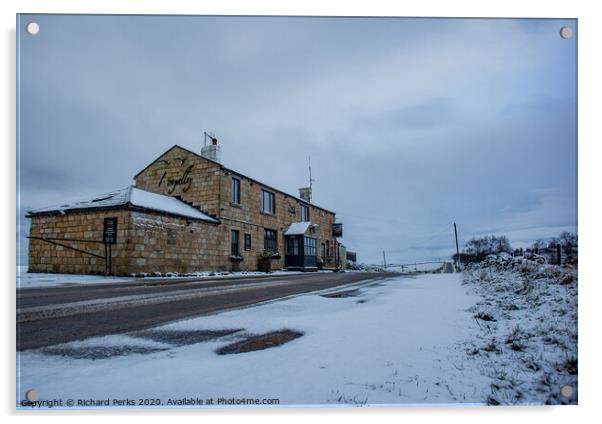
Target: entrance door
x,y
293,257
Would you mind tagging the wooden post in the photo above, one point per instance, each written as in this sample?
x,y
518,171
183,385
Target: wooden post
x,y
558,254
457,261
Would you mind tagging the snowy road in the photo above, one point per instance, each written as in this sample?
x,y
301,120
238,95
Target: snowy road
x,y
52,315
396,341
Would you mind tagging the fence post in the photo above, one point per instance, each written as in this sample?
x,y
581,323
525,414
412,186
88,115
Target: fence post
x,y
558,254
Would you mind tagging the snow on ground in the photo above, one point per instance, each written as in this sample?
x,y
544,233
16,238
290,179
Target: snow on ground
x,y
398,341
418,267
35,279
527,342
26,279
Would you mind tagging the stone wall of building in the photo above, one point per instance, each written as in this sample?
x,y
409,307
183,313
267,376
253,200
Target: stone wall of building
x,y
207,185
146,242
247,217
47,257
178,172
163,243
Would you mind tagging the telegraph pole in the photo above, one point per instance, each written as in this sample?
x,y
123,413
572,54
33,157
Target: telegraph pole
x,y
457,248
384,259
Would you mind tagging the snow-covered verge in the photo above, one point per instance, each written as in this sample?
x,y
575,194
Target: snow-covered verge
x,y
397,341
527,343
29,280
34,279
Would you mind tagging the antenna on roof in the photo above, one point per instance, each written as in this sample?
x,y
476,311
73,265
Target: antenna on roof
x,y
305,192
210,136
212,150
311,180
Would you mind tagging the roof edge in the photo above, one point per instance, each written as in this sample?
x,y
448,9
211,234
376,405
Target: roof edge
x,y
225,168
124,206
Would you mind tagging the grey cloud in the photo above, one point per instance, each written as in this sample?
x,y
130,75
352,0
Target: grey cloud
x,y
411,124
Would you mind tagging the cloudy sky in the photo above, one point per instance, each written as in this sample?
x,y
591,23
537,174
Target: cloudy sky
x,y
411,124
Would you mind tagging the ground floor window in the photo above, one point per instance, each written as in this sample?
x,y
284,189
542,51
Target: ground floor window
x,y
234,242
310,246
269,240
247,241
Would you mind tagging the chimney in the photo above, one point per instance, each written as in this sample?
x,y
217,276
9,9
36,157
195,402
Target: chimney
x,y
213,150
305,194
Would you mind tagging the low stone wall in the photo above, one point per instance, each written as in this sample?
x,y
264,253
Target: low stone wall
x,y
146,242
172,244
47,257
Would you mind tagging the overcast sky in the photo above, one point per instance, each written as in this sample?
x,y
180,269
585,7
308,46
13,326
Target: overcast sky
x,y
411,124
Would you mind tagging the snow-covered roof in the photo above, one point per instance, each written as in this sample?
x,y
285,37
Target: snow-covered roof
x,y
132,196
297,228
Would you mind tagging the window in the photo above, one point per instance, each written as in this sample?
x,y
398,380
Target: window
x,y
268,203
235,191
292,246
323,252
234,242
269,241
310,246
247,241
304,213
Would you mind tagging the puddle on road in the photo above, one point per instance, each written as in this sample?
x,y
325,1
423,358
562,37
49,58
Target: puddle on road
x,y
183,337
344,293
99,352
260,342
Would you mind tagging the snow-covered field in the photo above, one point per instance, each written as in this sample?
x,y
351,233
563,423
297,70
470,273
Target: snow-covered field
x,y
491,335
527,343
392,342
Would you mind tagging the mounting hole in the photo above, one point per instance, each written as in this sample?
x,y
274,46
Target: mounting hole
x,y
31,395
32,28
566,391
566,32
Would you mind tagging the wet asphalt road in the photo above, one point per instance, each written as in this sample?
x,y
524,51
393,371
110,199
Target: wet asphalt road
x,y
47,316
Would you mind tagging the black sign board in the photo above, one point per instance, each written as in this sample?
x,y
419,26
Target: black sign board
x,y
109,232
337,230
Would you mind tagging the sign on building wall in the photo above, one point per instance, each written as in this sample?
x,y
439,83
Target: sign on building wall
x,y
337,230
109,232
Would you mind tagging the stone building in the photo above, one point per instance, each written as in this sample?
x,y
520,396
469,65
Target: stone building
x,y
186,213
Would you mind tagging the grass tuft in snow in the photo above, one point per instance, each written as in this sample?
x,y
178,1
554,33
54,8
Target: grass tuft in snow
x,y
531,308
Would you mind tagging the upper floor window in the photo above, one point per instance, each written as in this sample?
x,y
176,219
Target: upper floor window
x,y
304,213
268,202
235,191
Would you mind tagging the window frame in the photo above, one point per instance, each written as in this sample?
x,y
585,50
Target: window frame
x,y
303,207
234,243
309,246
272,203
268,240
235,191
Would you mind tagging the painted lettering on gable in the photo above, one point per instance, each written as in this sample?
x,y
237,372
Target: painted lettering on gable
x,y
184,182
